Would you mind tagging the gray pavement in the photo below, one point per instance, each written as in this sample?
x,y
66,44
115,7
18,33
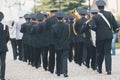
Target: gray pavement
x,y
18,70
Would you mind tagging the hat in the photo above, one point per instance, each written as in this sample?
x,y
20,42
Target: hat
x,y
66,16
40,16
59,14
53,10
33,16
94,11
27,16
71,17
100,3
1,16
82,11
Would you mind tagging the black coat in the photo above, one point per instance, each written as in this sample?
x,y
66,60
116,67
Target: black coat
x,y
61,36
79,37
103,31
40,35
4,37
25,29
49,23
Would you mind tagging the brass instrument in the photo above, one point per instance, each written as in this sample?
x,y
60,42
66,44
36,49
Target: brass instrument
x,y
75,14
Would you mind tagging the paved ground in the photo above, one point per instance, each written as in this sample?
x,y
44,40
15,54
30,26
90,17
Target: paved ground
x,y
17,70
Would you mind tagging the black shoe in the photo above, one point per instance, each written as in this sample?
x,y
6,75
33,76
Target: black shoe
x,y
99,71
58,74
2,78
65,75
109,73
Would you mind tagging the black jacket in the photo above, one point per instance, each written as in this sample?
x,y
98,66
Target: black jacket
x,y
61,36
102,29
4,37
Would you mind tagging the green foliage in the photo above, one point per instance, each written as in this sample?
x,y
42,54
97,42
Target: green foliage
x,y
65,5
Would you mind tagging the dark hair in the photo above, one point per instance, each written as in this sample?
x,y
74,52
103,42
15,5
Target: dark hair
x,y
100,7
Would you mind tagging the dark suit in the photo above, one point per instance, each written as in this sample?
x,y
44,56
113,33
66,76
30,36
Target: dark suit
x,y
61,39
79,41
49,23
4,36
104,38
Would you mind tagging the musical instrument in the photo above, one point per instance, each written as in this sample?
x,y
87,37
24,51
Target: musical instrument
x,y
75,14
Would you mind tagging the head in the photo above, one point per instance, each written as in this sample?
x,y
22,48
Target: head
x,y
1,16
59,15
27,17
82,12
52,12
100,4
39,17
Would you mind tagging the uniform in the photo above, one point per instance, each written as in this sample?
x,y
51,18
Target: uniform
x,y
79,38
49,23
61,38
103,36
4,37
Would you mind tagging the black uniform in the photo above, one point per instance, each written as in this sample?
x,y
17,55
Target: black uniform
x,y
103,37
4,37
79,41
49,23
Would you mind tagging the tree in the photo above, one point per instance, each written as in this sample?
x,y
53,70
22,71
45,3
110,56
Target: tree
x,y
64,5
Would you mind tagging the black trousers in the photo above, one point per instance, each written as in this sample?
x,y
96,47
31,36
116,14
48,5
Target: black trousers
x,y
51,58
2,64
61,62
91,55
14,48
71,52
19,49
79,52
104,51
45,57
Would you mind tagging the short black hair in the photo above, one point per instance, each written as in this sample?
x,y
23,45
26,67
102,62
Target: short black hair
x,y
59,18
101,7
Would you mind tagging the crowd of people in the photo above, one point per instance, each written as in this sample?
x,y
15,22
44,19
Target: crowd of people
x,y
42,40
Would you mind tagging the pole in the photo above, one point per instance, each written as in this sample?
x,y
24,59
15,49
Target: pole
x,y
35,6
89,6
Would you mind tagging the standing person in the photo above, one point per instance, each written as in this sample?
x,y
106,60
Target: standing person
x,y
12,34
49,23
114,43
80,38
104,36
61,34
3,47
19,36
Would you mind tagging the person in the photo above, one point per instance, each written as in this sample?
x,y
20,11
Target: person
x,y
19,36
61,37
12,34
4,37
49,23
103,36
80,38
114,43
91,48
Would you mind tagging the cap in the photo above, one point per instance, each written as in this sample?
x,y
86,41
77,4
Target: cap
x,y
100,3
66,16
82,11
53,10
71,17
27,16
40,16
1,16
59,14
94,11
33,16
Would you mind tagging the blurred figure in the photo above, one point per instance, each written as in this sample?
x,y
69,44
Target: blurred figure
x,y
12,33
4,37
19,36
114,43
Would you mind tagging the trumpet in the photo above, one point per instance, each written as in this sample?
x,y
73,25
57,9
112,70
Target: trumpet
x,y
75,14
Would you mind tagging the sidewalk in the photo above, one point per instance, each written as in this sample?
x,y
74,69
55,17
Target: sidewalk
x,y
18,70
